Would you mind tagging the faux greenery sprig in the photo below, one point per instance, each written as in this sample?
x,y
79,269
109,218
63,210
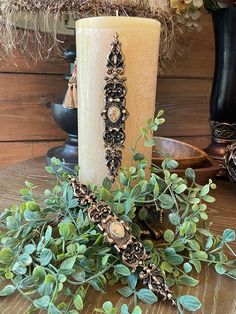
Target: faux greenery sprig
x,y
50,250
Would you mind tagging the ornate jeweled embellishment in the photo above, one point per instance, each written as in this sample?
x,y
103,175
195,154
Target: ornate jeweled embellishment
x,y
117,230
114,112
117,233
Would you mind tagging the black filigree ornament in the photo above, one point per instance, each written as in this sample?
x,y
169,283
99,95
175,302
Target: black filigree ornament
x,y
114,112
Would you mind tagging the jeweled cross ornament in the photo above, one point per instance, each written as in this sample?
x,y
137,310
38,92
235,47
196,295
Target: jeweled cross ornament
x,y
114,112
117,233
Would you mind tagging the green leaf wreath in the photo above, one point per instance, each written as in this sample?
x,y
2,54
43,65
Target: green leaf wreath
x,y
50,249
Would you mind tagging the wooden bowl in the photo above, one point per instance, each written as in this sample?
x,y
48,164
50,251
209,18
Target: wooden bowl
x,y
185,154
209,169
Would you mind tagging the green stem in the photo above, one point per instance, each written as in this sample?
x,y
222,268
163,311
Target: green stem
x,y
22,293
230,249
94,276
135,298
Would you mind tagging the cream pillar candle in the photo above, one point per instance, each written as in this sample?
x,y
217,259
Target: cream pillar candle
x,y
139,40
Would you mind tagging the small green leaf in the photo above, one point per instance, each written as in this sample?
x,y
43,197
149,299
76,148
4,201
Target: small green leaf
x,y
105,259
107,306
205,190
12,223
228,235
122,270
171,164
188,281
29,249
125,291
123,179
28,282
32,215
32,206
143,213
132,281
46,257
67,230
124,309
187,267
197,265
68,263
169,236
194,245
132,170
180,189
48,233
6,255
166,201
209,243
8,290
148,244
208,199
42,303
39,273
160,113
175,259
107,183
49,279
190,303
220,269
190,174
137,310
19,268
136,191
174,219
178,245
105,195
201,255
203,215
136,231
26,259
147,296
78,302
167,267
138,157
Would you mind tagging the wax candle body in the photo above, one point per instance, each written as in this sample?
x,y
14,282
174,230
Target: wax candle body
x,y
140,45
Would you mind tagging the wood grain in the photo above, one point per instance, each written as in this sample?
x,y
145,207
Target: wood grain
x,y
216,292
20,151
186,105
24,110
21,64
196,57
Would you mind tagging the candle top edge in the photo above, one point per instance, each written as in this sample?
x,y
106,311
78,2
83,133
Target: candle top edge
x,y
105,21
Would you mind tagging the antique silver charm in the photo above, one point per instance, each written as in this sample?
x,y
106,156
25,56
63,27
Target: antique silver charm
x,y
117,233
114,112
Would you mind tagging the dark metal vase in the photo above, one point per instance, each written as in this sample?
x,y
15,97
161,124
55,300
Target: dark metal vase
x,y
67,120
223,96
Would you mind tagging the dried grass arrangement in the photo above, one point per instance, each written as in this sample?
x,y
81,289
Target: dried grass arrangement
x,y
40,19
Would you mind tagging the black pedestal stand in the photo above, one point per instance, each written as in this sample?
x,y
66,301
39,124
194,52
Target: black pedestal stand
x,y
67,120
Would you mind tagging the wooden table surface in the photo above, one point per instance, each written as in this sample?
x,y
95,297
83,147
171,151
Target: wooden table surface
x,y
217,293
